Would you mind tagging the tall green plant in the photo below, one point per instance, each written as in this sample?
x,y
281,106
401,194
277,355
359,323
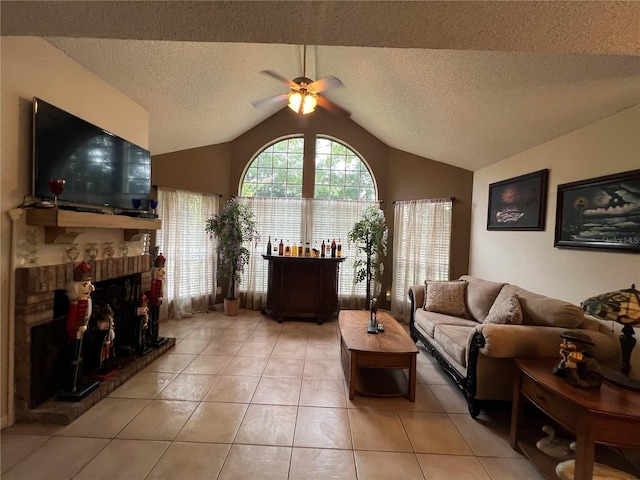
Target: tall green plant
x,y
232,227
369,234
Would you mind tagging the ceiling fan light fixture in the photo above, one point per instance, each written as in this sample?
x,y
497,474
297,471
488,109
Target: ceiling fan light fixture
x,y
303,102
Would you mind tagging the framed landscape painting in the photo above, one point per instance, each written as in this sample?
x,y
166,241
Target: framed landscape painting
x,y
518,203
600,213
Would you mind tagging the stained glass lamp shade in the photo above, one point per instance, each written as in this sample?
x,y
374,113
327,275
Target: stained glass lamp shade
x,y
623,307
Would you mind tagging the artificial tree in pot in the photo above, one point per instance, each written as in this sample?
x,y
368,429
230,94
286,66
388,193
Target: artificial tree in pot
x,y
369,234
232,227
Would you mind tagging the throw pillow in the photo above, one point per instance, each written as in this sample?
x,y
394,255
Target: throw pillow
x,y
507,312
446,297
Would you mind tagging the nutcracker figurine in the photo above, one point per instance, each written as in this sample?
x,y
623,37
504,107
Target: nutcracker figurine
x,y
142,312
106,331
157,294
79,293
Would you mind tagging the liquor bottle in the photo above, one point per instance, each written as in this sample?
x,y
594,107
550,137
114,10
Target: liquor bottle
x,y
275,247
294,250
307,250
281,248
339,248
269,246
287,249
322,249
333,248
300,250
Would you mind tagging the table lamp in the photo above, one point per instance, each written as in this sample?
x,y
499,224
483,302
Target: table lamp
x,y
623,307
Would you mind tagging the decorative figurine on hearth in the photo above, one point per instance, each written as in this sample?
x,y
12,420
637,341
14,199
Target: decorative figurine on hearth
x,y
157,295
576,366
106,328
142,314
80,307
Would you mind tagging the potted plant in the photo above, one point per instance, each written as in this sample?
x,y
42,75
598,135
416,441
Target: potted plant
x,y
369,234
232,227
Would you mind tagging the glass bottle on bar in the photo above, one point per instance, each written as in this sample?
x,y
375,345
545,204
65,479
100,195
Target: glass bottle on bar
x,y
322,249
294,249
269,246
281,248
300,250
333,248
339,249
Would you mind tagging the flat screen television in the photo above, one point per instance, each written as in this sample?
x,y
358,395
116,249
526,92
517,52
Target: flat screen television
x,y
99,168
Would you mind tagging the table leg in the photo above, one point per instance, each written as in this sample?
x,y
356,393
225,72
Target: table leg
x,y
585,451
516,411
352,375
412,379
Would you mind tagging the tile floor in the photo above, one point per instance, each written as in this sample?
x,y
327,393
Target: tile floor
x,y
247,398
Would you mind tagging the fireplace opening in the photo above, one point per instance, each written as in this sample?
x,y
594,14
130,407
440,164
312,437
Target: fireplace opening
x,y
50,352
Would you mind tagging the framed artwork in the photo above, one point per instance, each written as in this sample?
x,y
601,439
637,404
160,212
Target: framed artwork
x,y
600,213
518,203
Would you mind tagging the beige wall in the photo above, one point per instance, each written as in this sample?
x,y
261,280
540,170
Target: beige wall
x,y
32,67
205,169
529,259
399,175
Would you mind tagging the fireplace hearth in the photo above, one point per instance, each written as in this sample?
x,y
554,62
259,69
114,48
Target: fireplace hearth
x,y
41,354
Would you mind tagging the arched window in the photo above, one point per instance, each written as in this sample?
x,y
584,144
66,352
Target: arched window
x,y
341,173
286,210
276,171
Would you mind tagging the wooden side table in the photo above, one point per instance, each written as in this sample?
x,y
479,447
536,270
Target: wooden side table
x,y
610,415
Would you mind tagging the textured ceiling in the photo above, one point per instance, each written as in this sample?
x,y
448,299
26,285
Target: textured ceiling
x,y
464,83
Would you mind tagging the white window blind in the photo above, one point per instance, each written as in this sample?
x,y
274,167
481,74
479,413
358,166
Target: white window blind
x,y
421,247
190,264
296,221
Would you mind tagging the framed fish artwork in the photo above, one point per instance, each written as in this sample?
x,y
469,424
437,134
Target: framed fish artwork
x,y
518,203
600,213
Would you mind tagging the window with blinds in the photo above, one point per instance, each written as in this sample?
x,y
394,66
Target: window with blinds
x,y
187,248
421,247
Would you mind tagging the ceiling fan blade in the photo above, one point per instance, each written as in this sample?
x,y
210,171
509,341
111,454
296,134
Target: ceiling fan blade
x,y
279,77
326,83
270,100
332,107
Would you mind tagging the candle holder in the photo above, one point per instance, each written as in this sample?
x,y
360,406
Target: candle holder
x,y
92,251
73,252
109,249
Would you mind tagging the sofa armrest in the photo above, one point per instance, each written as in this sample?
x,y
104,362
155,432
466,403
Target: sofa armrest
x,y
416,295
513,341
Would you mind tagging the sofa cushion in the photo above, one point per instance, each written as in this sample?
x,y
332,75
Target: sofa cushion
x,y
446,297
453,340
507,312
541,310
481,294
429,320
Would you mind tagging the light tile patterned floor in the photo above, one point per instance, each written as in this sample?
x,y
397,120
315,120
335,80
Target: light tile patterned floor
x,y
246,397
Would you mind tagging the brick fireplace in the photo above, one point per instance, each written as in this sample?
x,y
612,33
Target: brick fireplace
x,y
39,317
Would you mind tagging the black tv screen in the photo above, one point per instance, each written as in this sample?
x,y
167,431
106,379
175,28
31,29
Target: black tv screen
x,y
99,168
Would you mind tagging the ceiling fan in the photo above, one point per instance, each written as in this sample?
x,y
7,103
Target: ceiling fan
x,y
305,93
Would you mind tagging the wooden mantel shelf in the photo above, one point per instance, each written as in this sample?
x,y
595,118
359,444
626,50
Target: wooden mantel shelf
x,y
63,226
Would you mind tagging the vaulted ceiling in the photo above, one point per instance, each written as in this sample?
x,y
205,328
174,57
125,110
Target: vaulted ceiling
x,y
464,83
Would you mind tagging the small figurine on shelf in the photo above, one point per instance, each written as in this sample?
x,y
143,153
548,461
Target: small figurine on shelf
x,y
142,312
80,307
157,295
575,365
106,326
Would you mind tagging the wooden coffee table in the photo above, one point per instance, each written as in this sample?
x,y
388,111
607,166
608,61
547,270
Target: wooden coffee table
x,y
373,363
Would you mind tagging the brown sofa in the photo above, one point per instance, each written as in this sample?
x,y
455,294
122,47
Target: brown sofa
x,y
477,341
